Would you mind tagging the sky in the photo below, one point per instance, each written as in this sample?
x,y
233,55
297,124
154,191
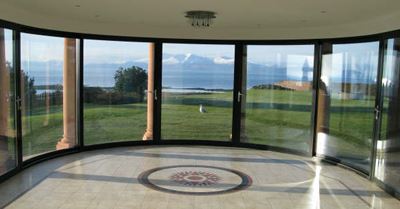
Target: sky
x,y
45,48
96,51
8,45
275,54
41,48
205,50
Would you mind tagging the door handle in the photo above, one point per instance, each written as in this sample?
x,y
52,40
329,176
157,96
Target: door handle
x,y
155,94
18,101
239,96
377,112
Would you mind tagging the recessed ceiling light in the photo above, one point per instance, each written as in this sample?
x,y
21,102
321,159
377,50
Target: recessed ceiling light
x,y
97,16
77,5
323,11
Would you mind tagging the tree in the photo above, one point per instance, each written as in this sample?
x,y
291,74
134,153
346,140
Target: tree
x,y
28,81
131,80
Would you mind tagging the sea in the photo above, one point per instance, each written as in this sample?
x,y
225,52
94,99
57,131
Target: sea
x,y
183,78
179,79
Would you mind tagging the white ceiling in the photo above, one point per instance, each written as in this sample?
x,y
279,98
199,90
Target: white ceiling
x,y
236,19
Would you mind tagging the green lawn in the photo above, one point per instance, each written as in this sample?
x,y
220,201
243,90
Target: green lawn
x,y
273,117
41,131
113,123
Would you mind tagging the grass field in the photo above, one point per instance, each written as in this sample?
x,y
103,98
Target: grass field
x,y
273,117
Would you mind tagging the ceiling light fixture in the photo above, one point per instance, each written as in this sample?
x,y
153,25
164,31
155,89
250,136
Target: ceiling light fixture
x,y
200,18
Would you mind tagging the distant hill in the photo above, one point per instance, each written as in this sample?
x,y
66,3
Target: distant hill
x,y
179,71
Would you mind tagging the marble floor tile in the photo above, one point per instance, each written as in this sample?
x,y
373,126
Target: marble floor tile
x,y
190,177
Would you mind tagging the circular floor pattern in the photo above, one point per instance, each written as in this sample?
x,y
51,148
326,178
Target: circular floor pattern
x,y
195,179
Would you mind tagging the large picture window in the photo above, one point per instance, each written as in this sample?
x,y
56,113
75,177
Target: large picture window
x,y
197,86
347,92
277,96
388,144
48,100
115,91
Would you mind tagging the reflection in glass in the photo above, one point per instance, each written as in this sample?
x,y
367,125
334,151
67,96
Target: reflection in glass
x,y
7,100
347,90
48,85
388,145
115,83
277,98
197,85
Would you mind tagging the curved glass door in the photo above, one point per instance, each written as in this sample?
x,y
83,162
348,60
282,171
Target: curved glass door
x,y
388,145
347,93
48,100
197,86
8,154
115,91
277,96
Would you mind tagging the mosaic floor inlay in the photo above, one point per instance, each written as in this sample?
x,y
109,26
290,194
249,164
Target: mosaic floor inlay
x,y
195,179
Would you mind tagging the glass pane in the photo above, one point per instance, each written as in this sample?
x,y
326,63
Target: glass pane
x,y
197,86
277,101
48,83
388,152
115,83
8,158
346,103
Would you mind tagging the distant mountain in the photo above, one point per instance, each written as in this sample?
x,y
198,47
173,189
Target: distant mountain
x,y
33,66
224,60
194,71
191,59
113,66
191,63
183,61
179,71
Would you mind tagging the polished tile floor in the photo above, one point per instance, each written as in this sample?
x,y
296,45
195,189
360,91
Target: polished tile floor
x,y
189,177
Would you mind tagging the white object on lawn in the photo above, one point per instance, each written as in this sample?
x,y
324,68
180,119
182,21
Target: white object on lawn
x,y
202,109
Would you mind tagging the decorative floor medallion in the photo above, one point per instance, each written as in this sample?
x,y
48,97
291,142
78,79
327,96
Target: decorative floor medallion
x,y
195,179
